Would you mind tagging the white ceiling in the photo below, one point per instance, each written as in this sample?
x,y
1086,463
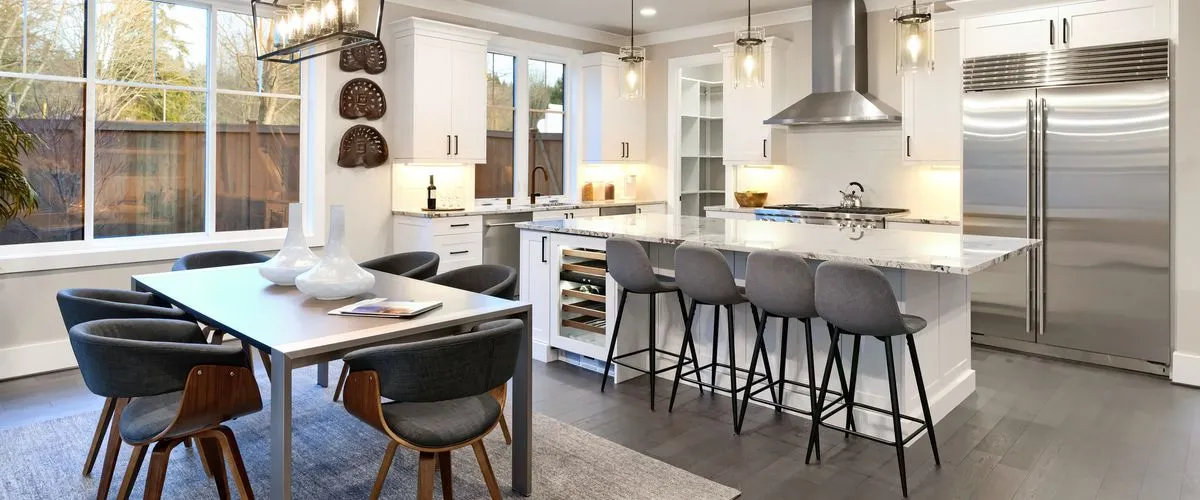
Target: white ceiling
x,y
613,15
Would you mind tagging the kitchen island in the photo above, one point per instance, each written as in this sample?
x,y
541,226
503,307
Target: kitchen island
x,y
562,276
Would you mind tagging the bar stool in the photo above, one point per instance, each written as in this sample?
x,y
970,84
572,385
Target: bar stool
x,y
704,276
630,267
857,300
781,285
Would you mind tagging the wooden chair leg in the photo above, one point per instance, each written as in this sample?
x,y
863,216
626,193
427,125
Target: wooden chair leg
x,y
210,454
504,430
131,471
485,466
204,460
266,360
110,451
233,455
425,467
158,468
383,469
447,475
337,391
106,414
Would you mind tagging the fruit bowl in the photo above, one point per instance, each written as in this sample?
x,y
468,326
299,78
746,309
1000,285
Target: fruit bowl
x,y
750,199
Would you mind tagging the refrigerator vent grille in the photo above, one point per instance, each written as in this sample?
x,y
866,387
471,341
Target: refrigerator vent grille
x,y
1102,64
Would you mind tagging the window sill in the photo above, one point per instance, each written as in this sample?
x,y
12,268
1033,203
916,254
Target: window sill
x,y
136,250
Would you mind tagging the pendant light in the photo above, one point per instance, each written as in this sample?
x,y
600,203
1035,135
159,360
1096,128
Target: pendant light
x,y
748,54
290,31
633,66
914,37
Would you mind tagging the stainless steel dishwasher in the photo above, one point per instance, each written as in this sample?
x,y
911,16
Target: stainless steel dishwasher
x,y
502,240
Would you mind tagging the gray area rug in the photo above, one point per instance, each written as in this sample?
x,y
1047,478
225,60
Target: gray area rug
x,y
337,457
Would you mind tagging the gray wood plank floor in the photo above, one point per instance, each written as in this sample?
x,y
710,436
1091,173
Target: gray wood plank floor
x,y
1034,428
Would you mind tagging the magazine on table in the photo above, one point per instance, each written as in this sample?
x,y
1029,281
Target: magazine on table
x,y
381,307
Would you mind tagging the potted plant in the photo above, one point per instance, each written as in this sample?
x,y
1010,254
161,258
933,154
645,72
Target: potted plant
x,y
17,197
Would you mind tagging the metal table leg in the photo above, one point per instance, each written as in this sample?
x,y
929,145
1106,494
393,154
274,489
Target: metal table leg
x,y
522,465
323,374
281,426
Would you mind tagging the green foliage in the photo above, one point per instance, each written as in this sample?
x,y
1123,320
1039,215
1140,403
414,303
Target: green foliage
x,y
17,197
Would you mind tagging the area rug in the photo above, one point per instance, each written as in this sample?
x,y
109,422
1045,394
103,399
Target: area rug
x,y
337,457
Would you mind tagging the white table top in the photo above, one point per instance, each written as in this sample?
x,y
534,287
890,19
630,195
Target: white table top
x,y
891,248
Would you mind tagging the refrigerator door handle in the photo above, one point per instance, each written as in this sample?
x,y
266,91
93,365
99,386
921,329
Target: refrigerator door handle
x,y
1043,116
1030,172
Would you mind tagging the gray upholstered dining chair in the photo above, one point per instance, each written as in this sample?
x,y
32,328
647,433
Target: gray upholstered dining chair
x,y
223,258
80,305
489,279
415,265
446,393
169,389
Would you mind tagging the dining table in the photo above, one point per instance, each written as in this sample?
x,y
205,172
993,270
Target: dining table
x,y
298,331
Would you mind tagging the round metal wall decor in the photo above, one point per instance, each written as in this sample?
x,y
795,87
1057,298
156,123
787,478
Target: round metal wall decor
x,y
362,98
362,146
370,57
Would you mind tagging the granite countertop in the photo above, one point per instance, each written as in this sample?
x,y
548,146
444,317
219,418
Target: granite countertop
x,y
516,209
909,218
900,249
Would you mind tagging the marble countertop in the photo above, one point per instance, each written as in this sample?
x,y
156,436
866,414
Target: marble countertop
x,y
909,218
891,248
516,209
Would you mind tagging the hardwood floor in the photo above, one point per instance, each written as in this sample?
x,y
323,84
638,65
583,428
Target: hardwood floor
x,y
1034,428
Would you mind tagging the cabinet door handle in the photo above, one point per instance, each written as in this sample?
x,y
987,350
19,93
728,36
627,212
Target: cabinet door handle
x,y
455,145
460,252
459,225
447,145
764,148
1066,31
1051,32
639,210
908,146
544,249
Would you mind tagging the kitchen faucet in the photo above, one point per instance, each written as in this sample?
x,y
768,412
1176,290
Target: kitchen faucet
x,y
545,178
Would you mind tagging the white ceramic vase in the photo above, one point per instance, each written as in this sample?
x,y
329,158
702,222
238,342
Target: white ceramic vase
x,y
336,276
295,257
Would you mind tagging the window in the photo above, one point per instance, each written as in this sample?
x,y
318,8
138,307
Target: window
x,y
173,150
494,179
546,124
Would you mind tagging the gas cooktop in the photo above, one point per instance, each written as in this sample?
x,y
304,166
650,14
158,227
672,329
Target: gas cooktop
x,y
837,209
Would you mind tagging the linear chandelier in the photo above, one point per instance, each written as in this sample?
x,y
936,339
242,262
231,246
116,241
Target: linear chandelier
x,y
290,31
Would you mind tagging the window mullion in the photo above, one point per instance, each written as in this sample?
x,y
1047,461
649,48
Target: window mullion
x,y
89,130
521,129
210,127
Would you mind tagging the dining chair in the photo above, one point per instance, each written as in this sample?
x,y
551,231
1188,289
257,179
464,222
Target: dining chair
x,y
416,265
169,389
80,305
223,258
445,394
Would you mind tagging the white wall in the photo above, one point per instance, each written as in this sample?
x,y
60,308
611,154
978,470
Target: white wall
x,y
1186,79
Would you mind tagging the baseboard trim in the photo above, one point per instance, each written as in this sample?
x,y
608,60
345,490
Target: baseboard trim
x,y
1185,368
32,359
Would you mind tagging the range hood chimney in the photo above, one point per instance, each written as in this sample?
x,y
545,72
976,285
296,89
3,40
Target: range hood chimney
x,y
839,71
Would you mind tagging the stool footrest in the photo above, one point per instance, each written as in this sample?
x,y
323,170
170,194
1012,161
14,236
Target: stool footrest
x,y
696,371
643,351
924,425
839,397
643,370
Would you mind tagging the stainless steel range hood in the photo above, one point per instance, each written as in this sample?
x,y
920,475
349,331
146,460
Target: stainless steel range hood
x,y
839,71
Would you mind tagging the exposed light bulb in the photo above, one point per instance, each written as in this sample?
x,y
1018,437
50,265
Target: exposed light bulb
x,y
748,64
631,79
914,46
648,11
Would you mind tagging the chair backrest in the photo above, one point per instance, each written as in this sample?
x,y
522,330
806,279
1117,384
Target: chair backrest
x,y
858,299
703,274
217,258
780,283
445,368
415,265
126,358
80,305
629,265
488,279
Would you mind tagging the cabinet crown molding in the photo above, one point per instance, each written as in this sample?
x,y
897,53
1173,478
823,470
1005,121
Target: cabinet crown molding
x,y
973,8
600,59
413,26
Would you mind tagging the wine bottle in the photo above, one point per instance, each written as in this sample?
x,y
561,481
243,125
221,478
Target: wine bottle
x,y
431,195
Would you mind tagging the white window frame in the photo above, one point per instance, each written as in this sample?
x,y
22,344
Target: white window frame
x,y
132,249
525,50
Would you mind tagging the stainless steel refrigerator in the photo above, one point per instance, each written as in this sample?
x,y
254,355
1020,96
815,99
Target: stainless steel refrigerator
x,y
1073,147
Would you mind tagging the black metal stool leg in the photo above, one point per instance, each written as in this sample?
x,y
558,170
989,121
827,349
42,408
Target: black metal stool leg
x,y
854,351
898,432
715,336
612,344
783,362
912,351
813,405
775,397
758,341
814,441
691,343
653,347
687,340
732,362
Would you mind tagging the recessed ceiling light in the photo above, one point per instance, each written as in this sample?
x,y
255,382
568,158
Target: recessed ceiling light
x,y
648,11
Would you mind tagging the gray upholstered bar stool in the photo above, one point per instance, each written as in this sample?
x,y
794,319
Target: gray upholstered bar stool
x,y
704,276
630,267
857,300
781,285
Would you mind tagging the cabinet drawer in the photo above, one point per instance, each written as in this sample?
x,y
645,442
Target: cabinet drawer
x,y
457,225
458,250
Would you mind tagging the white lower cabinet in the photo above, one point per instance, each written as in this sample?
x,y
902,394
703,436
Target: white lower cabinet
x,y
534,283
566,214
568,316
458,241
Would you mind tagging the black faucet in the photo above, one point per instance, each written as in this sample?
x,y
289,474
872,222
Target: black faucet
x,y
545,178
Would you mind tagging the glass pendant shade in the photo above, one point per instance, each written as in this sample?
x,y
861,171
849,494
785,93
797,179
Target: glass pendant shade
x,y
914,38
633,73
290,31
748,58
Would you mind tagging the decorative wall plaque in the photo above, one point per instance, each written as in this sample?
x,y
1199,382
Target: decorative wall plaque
x,y
370,57
362,146
362,98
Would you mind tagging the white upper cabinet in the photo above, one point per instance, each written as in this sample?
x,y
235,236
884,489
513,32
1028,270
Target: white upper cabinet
x,y
745,139
932,106
614,129
440,98
1084,24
